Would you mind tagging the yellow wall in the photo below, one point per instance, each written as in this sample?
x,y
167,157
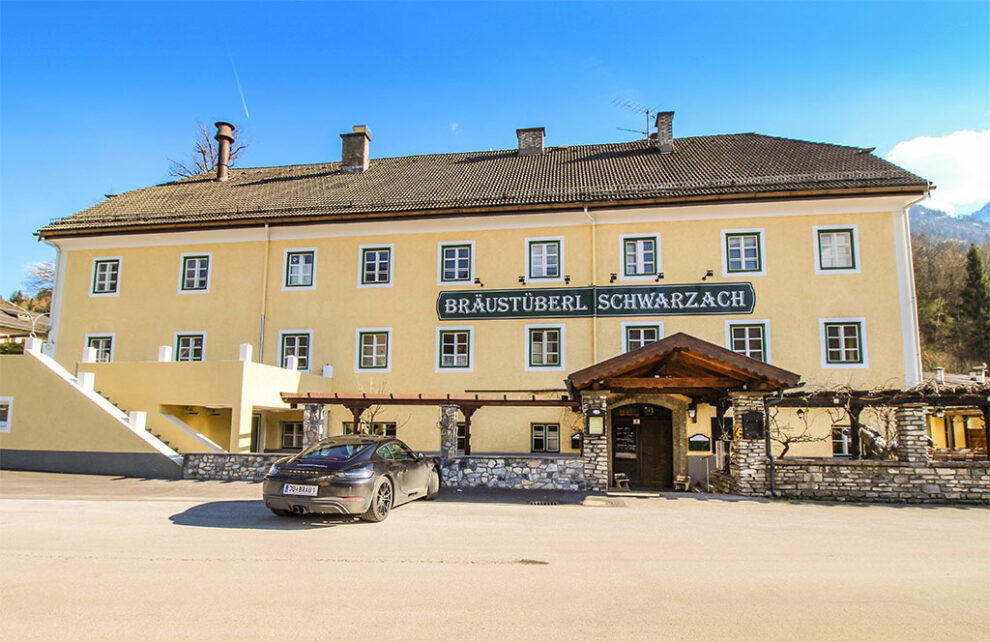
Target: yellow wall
x,y
51,414
149,310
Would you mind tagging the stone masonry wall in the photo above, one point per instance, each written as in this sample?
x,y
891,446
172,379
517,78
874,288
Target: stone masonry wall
x,y
884,481
536,473
224,467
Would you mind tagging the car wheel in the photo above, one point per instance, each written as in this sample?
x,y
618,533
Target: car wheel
x,y
381,502
433,486
281,513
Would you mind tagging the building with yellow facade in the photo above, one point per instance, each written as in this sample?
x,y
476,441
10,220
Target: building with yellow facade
x,y
493,274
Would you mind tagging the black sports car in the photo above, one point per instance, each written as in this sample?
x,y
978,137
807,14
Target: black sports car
x,y
351,474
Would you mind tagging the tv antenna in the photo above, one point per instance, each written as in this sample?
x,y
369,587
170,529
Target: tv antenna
x,y
650,117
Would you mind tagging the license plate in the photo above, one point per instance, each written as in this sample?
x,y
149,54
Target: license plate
x,y
299,489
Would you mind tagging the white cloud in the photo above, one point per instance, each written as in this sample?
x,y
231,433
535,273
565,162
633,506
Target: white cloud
x,y
958,164
453,128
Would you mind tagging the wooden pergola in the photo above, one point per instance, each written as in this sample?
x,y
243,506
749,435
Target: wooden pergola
x,y
467,404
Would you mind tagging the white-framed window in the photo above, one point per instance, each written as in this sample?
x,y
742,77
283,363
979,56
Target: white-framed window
x,y
299,269
6,413
836,249
636,335
545,259
298,344
375,268
194,276
840,441
545,438
373,350
743,252
749,338
190,346
292,434
455,349
103,344
843,342
455,262
383,428
640,256
544,347
106,277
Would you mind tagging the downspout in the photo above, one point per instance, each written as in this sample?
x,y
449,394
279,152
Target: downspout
x,y
264,296
54,314
594,275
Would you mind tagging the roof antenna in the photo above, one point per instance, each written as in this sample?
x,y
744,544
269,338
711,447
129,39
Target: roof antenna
x,y
650,117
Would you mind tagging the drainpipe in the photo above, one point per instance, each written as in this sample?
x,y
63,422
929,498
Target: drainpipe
x,y
264,296
594,274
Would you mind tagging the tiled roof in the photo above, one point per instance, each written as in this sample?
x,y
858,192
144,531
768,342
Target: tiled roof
x,y
700,168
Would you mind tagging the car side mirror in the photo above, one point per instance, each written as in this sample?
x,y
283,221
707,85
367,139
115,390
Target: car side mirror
x,y
420,456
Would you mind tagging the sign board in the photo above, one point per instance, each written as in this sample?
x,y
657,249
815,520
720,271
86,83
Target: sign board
x,y
597,301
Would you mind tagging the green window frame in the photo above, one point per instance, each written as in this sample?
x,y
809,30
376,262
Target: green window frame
x,y
296,344
195,273
739,251
189,347
300,267
455,349
376,265
545,347
544,260
103,346
106,276
827,243
456,264
743,340
844,342
642,339
640,256
373,350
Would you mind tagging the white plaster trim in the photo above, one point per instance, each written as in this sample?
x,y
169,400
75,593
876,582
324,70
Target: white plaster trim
x,y
92,276
763,252
391,265
862,342
281,349
199,437
436,356
56,312
175,344
816,250
474,257
5,426
560,259
622,257
623,340
357,350
766,333
113,341
182,271
910,332
285,268
563,347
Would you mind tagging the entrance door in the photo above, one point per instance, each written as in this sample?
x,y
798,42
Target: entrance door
x,y
643,445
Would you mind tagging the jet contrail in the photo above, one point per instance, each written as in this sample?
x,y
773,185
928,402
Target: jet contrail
x,y
238,81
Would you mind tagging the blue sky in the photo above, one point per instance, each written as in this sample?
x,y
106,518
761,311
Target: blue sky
x,y
95,98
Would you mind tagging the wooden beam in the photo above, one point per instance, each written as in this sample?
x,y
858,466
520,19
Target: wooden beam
x,y
664,383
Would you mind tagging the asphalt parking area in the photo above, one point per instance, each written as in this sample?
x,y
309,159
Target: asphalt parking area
x,y
85,557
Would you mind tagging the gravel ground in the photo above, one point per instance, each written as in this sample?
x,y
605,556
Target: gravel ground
x,y
87,557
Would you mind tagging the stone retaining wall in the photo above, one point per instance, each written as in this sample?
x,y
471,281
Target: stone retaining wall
x,y
228,467
538,473
884,481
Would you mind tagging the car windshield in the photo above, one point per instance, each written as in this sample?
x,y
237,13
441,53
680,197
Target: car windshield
x,y
333,451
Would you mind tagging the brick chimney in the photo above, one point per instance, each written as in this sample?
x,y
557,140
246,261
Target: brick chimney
x,y
530,140
224,137
354,158
665,132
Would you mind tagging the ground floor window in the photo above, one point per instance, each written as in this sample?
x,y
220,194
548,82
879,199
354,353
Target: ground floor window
x,y
292,434
6,407
840,441
461,437
383,428
545,438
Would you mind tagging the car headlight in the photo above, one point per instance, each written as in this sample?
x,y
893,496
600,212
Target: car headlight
x,y
274,469
361,473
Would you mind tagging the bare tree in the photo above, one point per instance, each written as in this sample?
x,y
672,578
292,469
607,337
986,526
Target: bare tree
x,y
204,155
797,432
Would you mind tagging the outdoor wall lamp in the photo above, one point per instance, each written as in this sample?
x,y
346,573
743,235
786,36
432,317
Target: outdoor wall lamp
x,y
522,280
940,412
800,412
567,279
659,276
692,412
708,273
595,421
477,281
612,277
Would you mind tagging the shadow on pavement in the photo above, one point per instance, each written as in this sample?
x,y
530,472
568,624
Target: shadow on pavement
x,y
252,514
